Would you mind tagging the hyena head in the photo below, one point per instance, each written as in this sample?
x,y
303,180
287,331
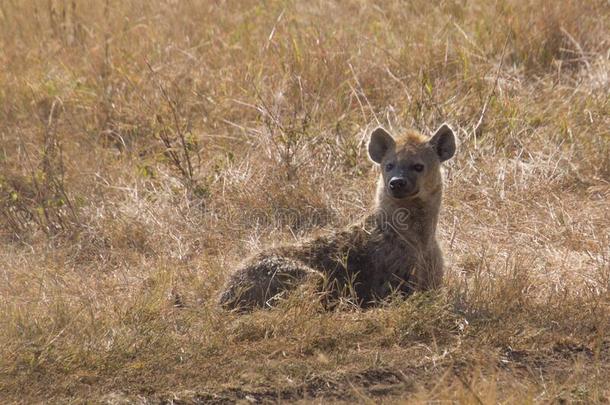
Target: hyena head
x,y
410,163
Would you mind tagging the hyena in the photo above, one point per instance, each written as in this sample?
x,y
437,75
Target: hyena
x,y
391,250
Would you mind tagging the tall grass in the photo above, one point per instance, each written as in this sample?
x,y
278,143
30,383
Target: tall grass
x,y
147,147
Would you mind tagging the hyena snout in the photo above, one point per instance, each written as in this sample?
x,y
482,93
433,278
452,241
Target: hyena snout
x,y
401,187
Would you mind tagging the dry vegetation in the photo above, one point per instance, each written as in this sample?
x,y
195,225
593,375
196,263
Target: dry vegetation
x,y
147,147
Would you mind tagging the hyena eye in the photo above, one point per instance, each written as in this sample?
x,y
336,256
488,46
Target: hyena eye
x,y
389,167
418,167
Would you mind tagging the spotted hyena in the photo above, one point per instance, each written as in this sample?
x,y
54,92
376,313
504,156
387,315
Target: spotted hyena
x,y
392,249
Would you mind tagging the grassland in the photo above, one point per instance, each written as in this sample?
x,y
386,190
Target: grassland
x,y
147,147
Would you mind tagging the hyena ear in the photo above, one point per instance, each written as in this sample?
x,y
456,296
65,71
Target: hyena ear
x,y
443,142
381,142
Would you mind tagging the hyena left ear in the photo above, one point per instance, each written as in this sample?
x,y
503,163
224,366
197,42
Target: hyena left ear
x,y
443,142
381,142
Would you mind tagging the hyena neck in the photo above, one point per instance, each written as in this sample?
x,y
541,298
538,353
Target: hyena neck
x,y
413,220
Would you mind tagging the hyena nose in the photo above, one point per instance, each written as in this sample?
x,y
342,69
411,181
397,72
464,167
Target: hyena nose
x,y
396,183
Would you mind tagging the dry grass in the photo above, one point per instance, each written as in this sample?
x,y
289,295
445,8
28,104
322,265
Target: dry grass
x,y
146,147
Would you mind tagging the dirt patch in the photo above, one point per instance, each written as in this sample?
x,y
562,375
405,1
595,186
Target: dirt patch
x,y
372,383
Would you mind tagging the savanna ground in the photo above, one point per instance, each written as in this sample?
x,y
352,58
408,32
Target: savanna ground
x,y
147,147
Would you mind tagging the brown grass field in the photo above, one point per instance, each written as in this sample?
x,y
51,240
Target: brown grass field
x,y
146,148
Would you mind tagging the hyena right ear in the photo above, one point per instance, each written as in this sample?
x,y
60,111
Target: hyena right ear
x,y
381,142
443,142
